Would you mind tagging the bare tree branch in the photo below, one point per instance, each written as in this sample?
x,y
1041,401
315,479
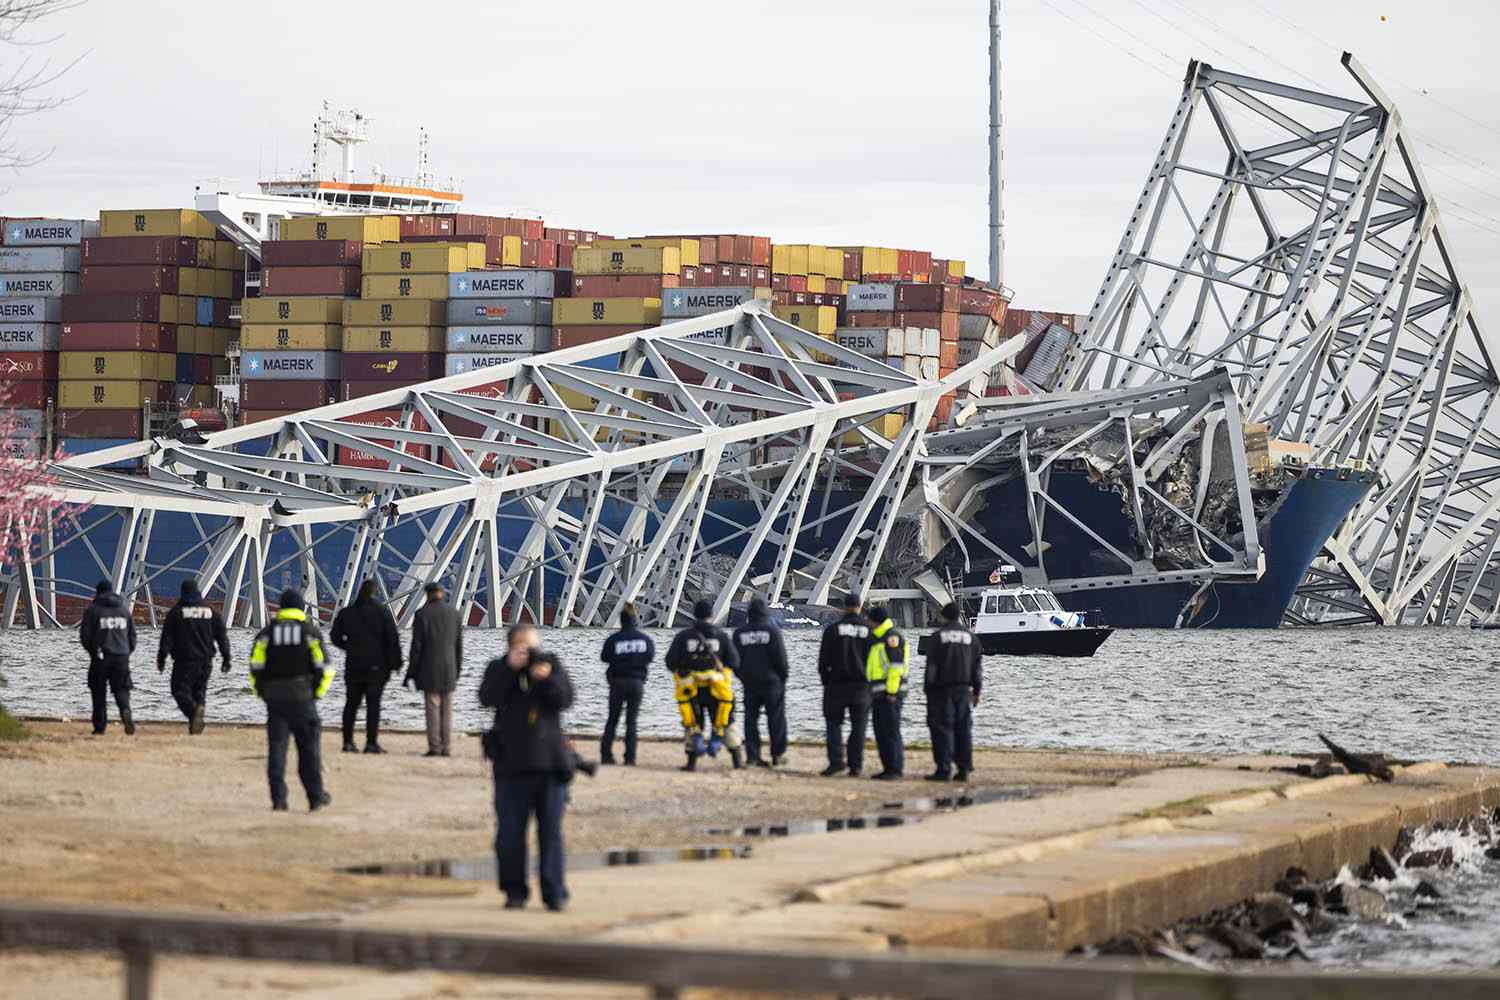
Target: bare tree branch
x,y
23,88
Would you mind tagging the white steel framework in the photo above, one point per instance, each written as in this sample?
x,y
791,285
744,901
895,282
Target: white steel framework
x,y
1289,237
711,457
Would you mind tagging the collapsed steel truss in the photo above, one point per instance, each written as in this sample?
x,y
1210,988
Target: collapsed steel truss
x,y
602,458
1172,450
1289,237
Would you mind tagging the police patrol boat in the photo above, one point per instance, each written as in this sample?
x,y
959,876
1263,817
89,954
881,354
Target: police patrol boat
x,y
1016,620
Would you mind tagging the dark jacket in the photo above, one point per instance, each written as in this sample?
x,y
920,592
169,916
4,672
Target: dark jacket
x,y
528,736
366,632
953,658
191,631
106,628
762,653
287,661
686,643
437,648
628,653
844,650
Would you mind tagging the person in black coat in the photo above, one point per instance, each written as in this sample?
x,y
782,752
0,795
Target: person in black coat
x,y
842,658
108,634
628,654
189,636
953,681
366,632
703,662
531,761
763,673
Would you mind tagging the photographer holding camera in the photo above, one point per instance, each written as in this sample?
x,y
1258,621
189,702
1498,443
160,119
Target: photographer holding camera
x,y
529,690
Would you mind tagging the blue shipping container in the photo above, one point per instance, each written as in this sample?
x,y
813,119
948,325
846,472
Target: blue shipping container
x,y
184,368
87,446
205,307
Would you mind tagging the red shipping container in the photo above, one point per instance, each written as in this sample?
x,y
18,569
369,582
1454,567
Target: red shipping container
x,y
975,301
945,323
112,309
779,282
442,225
546,253
312,253
179,250
383,366
477,226
286,394
99,423
921,261
562,283
221,312
853,262
417,225
30,395
255,416
871,319
371,386
688,277
309,281
948,355
151,337
28,366
603,286
576,336
134,279
796,282
237,284
758,250
359,458
565,255
905,261
927,298
550,233
939,274
203,369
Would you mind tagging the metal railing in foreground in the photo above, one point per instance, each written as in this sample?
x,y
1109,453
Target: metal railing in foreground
x,y
666,970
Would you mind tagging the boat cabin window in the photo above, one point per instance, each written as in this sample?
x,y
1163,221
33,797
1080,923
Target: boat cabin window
x,y
1047,601
1028,602
1001,604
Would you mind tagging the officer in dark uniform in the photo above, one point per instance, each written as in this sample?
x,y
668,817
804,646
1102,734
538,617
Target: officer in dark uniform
x,y
763,673
703,660
628,654
188,636
885,669
952,681
108,634
842,658
289,672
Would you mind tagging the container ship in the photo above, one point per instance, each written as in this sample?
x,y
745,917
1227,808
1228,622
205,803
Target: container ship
x,y
323,288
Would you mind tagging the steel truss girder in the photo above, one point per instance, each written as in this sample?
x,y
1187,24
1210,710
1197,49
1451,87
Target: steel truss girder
x,y
1265,243
608,456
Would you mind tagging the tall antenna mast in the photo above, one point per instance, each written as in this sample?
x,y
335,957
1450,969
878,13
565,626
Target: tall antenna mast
x,y
422,155
997,212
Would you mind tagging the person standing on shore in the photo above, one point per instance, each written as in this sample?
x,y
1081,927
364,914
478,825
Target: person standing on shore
x,y
952,681
885,669
436,663
290,673
703,660
191,631
842,657
628,654
108,634
763,674
366,632
531,762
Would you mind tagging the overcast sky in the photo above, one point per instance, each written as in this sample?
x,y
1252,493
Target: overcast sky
x,y
834,121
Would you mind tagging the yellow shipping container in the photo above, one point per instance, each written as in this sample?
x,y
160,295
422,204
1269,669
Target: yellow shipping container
x,y
131,365
404,286
395,312
606,312
423,258
220,366
223,284
218,339
645,260
359,228
887,425
955,269
223,255
789,258
822,320
833,262
155,222
187,309
301,309
100,395
406,339
187,281
817,283
293,337
689,249
206,253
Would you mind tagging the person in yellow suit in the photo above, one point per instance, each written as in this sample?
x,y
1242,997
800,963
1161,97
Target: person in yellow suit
x,y
886,670
290,673
703,661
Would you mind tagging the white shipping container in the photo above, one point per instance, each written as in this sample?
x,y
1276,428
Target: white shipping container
x,y
500,312
718,335
1049,354
21,447
30,310
877,297
30,337
502,284
681,303
499,339
45,283
923,342
912,365
457,364
24,260
25,423
303,365
872,342
974,327
49,232
930,368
